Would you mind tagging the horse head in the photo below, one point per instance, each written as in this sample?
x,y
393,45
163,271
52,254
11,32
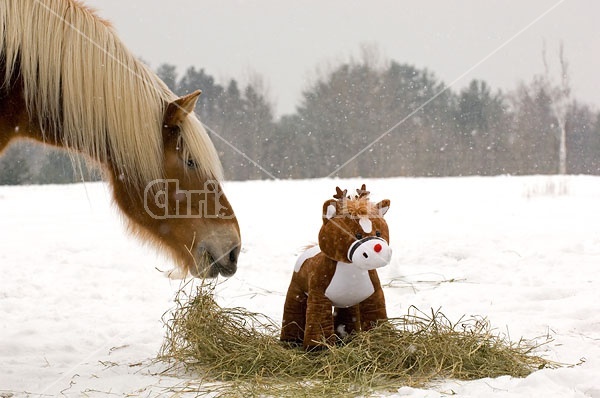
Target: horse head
x,y
187,211
80,88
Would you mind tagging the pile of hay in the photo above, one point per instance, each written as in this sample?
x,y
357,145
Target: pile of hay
x,y
235,352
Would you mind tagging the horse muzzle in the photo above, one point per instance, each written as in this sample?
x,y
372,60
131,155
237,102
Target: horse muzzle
x,y
370,253
211,263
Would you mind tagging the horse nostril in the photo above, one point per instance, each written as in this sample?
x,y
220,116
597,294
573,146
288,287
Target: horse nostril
x,y
377,248
365,255
233,256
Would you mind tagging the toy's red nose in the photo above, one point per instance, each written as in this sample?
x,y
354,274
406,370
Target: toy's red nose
x,y
377,248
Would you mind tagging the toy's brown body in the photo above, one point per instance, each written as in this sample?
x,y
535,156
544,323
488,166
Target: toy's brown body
x,y
339,273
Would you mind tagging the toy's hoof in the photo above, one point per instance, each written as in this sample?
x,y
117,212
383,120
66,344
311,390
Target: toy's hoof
x,y
292,343
315,348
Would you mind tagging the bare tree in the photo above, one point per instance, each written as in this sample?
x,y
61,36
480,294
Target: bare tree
x,y
560,96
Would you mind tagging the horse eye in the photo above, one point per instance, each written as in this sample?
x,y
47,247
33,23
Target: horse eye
x,y
175,130
377,233
191,163
358,236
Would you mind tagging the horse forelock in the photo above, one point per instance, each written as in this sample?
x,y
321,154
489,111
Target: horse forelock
x,y
83,84
196,145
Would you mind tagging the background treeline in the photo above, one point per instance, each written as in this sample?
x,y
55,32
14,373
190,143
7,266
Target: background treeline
x,y
476,131
26,162
346,111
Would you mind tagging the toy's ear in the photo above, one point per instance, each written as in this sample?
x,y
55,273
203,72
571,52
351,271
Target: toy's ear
x,y
383,207
329,210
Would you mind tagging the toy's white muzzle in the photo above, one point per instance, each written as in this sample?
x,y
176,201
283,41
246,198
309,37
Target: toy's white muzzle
x,y
370,253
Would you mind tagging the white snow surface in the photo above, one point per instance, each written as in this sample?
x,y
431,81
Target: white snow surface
x,y
81,301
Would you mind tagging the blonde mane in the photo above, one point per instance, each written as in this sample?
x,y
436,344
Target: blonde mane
x,y
81,82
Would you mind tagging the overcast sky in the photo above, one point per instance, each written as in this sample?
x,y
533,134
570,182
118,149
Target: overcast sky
x,y
285,42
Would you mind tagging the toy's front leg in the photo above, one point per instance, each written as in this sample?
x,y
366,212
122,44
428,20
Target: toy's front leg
x,y
319,321
373,308
294,315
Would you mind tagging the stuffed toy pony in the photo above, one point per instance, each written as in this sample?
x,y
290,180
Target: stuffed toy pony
x,y
340,272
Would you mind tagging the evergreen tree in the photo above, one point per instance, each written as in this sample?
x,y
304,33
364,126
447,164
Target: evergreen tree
x,y
168,74
482,122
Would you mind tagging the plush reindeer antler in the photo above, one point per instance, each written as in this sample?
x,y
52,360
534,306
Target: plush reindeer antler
x,y
362,192
340,195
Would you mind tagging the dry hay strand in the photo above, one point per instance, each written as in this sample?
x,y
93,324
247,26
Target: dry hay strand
x,y
235,352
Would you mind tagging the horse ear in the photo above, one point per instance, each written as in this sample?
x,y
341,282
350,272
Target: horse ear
x,y
178,110
329,210
383,207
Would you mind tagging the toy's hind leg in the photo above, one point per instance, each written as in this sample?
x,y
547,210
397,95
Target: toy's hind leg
x,y
346,320
294,316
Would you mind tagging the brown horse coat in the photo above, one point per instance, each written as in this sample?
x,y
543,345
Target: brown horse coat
x,y
340,273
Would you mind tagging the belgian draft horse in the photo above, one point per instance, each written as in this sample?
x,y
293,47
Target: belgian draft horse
x,y
67,80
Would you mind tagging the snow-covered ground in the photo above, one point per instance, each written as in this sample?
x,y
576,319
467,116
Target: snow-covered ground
x,y
81,302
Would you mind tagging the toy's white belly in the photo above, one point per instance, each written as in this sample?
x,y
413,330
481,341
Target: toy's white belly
x,y
349,286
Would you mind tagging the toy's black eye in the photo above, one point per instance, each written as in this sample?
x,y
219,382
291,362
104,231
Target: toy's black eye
x,y
377,233
191,163
358,236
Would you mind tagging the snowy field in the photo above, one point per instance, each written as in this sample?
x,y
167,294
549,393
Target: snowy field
x,y
81,302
